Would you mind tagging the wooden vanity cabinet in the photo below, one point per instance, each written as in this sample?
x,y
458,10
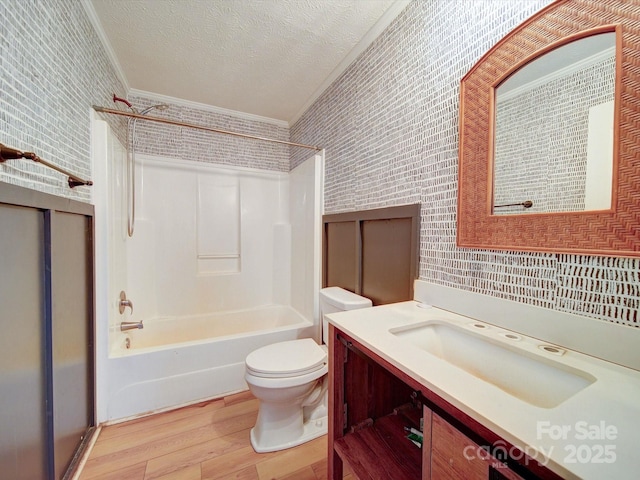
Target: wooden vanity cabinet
x,y
368,409
370,404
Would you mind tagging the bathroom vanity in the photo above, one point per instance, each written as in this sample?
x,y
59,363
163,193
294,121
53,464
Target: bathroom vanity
x,y
491,403
379,447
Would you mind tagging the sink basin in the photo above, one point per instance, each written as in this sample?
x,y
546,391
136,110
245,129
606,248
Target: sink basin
x,y
533,378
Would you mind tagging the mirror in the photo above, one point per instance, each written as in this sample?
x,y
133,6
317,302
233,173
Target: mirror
x,y
605,218
553,137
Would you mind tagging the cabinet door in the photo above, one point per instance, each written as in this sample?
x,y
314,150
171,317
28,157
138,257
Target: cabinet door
x,y
456,457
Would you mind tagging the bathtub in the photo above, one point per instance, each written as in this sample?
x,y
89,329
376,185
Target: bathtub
x,y
181,360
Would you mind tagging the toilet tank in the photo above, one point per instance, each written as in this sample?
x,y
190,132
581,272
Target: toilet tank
x,y
336,299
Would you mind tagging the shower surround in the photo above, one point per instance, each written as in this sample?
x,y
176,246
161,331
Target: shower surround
x,y
224,259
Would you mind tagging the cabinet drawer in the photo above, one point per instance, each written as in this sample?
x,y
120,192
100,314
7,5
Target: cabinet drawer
x,y
454,456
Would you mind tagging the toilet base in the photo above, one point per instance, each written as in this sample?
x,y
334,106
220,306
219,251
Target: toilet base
x,y
311,429
290,416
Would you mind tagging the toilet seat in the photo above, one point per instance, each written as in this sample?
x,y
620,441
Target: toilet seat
x,y
292,358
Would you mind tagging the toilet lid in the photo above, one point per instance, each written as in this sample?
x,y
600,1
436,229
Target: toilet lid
x,y
286,359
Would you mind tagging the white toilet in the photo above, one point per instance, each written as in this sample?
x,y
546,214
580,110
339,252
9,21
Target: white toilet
x,y
290,380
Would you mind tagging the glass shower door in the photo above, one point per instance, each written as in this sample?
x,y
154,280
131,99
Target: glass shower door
x,y
71,337
46,341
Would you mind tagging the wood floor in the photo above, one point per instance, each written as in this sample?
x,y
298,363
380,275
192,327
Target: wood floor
x,y
209,440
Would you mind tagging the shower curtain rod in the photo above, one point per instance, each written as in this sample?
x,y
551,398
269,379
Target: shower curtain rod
x,y
197,127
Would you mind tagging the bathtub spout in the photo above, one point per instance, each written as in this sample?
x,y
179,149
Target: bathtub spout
x,y
124,326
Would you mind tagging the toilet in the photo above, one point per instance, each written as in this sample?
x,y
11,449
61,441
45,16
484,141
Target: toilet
x,y
290,381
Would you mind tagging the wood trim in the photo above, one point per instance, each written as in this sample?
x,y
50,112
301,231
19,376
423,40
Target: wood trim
x,y
401,211
359,218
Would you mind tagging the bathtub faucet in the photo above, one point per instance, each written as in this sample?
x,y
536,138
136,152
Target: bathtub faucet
x,y
124,326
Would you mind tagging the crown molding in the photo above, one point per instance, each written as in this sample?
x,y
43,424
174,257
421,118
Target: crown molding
x,y
375,31
160,98
97,26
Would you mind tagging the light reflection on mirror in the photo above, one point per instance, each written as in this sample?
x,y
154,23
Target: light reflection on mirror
x,y
554,123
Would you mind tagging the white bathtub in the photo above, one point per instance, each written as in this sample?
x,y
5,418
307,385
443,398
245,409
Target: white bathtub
x,y
177,361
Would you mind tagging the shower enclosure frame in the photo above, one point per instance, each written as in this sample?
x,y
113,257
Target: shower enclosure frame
x,y
49,358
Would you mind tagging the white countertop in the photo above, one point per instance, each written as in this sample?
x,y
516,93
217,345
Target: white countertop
x,y
594,434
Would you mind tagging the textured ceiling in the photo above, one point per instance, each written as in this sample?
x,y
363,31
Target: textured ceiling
x,y
262,57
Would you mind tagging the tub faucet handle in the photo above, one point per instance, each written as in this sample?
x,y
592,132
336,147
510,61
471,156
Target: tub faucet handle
x,y
124,303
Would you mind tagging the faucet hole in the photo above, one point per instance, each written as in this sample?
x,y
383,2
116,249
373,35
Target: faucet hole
x,y
552,349
511,336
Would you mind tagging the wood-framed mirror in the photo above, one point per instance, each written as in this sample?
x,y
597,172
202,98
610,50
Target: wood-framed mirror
x,y
610,226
